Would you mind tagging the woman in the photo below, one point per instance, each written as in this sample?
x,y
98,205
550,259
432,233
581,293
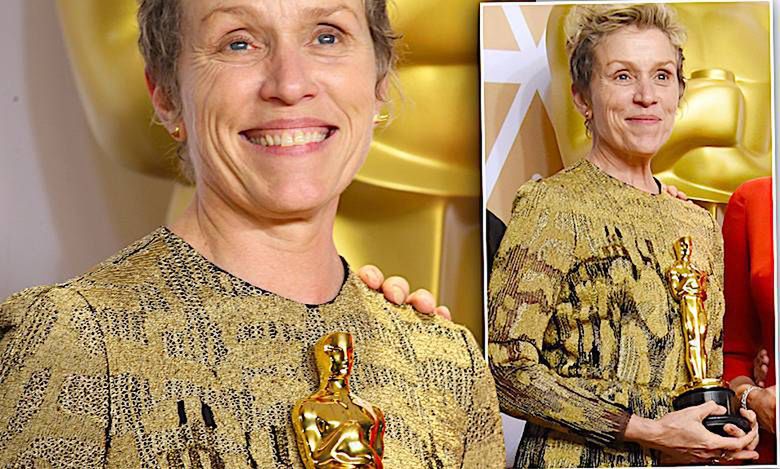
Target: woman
x,y
190,347
585,340
749,323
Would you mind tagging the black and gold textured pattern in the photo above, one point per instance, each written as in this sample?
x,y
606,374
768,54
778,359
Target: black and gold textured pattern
x,y
157,358
583,331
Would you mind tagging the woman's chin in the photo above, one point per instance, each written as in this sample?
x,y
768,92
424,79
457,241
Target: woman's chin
x,y
298,203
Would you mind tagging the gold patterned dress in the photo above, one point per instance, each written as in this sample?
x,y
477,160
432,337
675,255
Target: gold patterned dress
x,y
583,330
157,358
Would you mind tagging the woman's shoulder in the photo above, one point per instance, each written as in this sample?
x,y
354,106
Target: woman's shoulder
x,y
753,192
567,184
416,325
29,302
129,263
755,187
688,212
126,267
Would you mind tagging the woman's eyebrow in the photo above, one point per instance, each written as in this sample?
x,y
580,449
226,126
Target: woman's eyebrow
x,y
233,11
314,12
324,12
630,63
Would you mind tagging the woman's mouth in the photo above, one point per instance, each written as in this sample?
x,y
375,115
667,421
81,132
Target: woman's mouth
x,y
288,137
644,119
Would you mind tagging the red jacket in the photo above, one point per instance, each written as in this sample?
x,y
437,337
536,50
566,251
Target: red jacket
x,y
749,288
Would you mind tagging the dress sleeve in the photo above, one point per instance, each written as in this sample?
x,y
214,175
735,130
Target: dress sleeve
x,y
484,435
528,275
54,408
740,324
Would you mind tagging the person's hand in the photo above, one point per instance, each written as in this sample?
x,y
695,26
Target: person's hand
x,y
674,192
761,367
763,402
396,290
682,438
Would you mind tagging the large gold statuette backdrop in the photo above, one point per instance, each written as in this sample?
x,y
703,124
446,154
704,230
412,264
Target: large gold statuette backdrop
x,y
414,209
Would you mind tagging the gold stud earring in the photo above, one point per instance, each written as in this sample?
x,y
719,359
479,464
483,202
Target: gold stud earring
x,y
380,118
176,134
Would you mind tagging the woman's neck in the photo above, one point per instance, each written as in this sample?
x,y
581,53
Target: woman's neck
x,y
634,171
294,258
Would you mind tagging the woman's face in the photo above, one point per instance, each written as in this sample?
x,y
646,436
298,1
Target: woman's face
x,y
634,92
278,100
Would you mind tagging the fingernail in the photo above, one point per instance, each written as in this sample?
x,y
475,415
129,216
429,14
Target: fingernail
x,y
398,295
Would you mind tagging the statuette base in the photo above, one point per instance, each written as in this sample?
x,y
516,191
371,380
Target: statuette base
x,y
694,395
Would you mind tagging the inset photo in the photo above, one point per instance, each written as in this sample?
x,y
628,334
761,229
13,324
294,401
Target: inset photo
x,y
628,196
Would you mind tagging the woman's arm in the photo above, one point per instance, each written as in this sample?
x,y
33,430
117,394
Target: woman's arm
x,y
741,325
762,401
484,445
528,275
54,390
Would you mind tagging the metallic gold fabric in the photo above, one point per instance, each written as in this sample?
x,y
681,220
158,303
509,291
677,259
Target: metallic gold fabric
x,y
583,330
157,358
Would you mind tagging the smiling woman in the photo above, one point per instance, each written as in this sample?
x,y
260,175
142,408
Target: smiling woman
x,y
191,346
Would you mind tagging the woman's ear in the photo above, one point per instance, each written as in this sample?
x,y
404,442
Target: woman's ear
x,y
382,90
581,102
382,97
163,106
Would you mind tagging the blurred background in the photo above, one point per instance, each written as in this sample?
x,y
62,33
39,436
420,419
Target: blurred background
x,y
63,205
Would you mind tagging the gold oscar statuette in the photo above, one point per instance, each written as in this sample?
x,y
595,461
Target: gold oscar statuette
x,y
688,286
334,428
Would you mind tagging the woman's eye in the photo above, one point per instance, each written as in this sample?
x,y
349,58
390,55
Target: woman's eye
x,y
663,76
623,76
238,46
326,39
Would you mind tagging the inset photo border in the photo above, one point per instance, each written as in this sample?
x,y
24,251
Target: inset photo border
x,y
722,137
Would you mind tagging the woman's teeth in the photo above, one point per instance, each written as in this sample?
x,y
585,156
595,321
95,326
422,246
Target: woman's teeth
x,y
288,139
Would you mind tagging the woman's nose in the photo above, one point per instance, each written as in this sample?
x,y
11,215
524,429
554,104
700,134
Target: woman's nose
x,y
288,81
645,93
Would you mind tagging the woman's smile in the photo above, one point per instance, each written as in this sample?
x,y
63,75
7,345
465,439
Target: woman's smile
x,y
290,136
644,119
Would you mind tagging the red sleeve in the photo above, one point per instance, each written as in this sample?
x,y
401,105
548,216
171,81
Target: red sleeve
x,y
740,324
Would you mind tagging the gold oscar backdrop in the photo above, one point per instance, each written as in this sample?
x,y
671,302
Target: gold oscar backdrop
x,y
722,136
414,208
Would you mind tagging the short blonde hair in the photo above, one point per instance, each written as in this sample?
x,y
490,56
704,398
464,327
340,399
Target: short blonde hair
x,y
587,25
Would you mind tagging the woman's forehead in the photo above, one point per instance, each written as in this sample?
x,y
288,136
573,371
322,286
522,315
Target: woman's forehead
x,y
203,11
633,45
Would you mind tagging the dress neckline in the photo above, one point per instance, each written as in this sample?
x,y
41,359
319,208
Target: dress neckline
x,y
599,173
170,237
